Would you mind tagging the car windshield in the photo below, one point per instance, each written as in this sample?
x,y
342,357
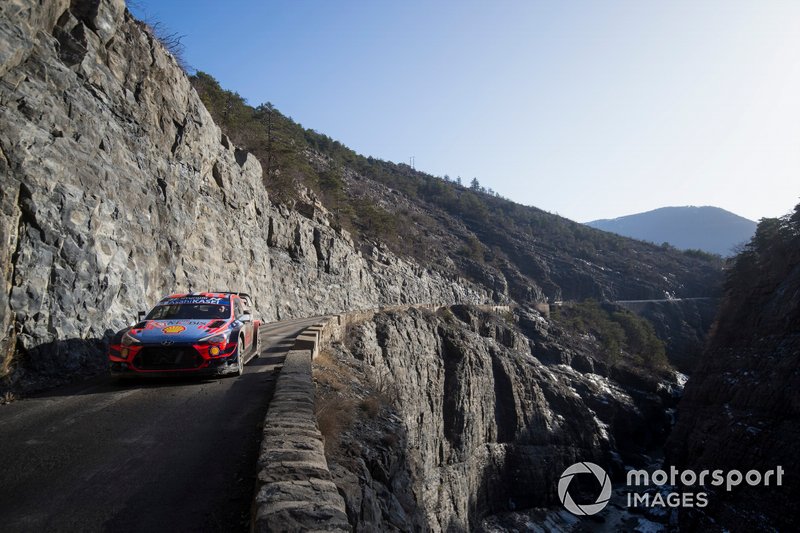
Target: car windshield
x,y
181,311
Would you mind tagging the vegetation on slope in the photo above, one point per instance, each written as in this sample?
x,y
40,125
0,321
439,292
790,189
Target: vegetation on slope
x,y
623,336
759,295
741,407
439,220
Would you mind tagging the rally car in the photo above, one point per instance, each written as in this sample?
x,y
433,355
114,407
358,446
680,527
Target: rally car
x,y
207,333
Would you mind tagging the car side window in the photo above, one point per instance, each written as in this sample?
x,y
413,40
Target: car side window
x,y
237,309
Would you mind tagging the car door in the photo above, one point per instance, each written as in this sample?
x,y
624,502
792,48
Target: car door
x,y
247,327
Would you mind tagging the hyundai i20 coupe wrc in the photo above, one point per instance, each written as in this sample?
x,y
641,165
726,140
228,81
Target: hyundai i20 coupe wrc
x,y
207,333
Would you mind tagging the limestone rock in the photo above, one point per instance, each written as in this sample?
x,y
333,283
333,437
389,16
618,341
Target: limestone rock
x,y
118,188
484,426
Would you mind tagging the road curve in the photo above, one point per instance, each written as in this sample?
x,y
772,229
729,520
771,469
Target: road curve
x,y
174,455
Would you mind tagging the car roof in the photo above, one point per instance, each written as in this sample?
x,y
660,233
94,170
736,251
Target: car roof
x,y
199,295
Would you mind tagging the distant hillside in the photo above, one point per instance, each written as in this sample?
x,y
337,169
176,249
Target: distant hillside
x,y
456,229
706,228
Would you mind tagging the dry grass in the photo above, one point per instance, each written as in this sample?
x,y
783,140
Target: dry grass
x,y
335,414
7,398
171,40
326,359
328,372
371,405
335,411
385,387
347,397
446,314
10,349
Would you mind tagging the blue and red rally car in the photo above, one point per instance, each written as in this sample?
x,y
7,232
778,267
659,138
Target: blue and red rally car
x,y
209,333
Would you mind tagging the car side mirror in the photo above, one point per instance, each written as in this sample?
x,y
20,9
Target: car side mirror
x,y
245,318
140,316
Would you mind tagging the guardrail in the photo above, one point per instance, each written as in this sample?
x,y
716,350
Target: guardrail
x,y
294,488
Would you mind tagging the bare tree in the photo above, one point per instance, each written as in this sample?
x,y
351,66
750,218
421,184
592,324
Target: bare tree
x,y
171,40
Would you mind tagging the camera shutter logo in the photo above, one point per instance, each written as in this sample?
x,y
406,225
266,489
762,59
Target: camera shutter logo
x,y
589,508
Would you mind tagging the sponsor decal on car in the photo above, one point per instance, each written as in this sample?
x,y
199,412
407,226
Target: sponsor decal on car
x,y
173,329
150,324
196,300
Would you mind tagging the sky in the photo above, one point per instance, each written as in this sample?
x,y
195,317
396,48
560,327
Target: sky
x,y
588,109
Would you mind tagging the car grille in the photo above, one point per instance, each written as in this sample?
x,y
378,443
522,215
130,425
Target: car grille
x,y
167,358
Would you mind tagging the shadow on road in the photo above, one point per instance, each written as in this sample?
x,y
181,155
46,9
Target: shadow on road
x,y
71,367
279,348
266,360
104,383
165,454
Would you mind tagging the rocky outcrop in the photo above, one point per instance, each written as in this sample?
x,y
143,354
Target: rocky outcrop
x,y
487,418
741,409
118,188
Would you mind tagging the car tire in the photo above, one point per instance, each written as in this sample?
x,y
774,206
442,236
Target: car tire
x,y
240,357
256,343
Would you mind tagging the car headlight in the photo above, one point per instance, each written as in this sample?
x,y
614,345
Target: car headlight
x,y
129,339
219,338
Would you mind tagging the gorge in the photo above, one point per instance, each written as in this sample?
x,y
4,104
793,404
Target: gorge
x,y
125,179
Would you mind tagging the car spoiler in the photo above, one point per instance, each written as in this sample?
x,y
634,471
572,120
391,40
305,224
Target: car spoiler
x,y
243,295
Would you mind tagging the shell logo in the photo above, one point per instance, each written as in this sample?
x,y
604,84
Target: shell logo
x,y
173,329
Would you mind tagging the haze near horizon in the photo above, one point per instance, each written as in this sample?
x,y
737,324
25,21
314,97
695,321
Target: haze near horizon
x,y
589,110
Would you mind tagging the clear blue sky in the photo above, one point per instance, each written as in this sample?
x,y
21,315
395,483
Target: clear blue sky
x,y
588,109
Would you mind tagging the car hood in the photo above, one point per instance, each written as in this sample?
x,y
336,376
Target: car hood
x,y
179,331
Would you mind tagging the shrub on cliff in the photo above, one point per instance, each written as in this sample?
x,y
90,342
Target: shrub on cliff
x,y
623,336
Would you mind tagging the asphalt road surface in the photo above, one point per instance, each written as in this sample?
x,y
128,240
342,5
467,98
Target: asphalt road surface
x,y
158,455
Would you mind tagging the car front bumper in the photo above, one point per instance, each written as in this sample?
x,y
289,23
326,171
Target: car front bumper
x,y
197,365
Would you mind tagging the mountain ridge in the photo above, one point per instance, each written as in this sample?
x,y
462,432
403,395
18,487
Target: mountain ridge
x,y
707,228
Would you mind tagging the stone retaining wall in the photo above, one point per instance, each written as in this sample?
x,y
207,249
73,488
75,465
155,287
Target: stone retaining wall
x,y
294,491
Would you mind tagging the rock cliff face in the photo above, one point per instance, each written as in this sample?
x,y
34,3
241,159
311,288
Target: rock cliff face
x,y
741,409
117,188
487,417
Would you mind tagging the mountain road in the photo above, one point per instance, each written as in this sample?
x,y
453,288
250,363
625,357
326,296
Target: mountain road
x,y
150,455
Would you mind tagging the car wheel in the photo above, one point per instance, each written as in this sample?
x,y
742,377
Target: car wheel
x,y
257,343
240,357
